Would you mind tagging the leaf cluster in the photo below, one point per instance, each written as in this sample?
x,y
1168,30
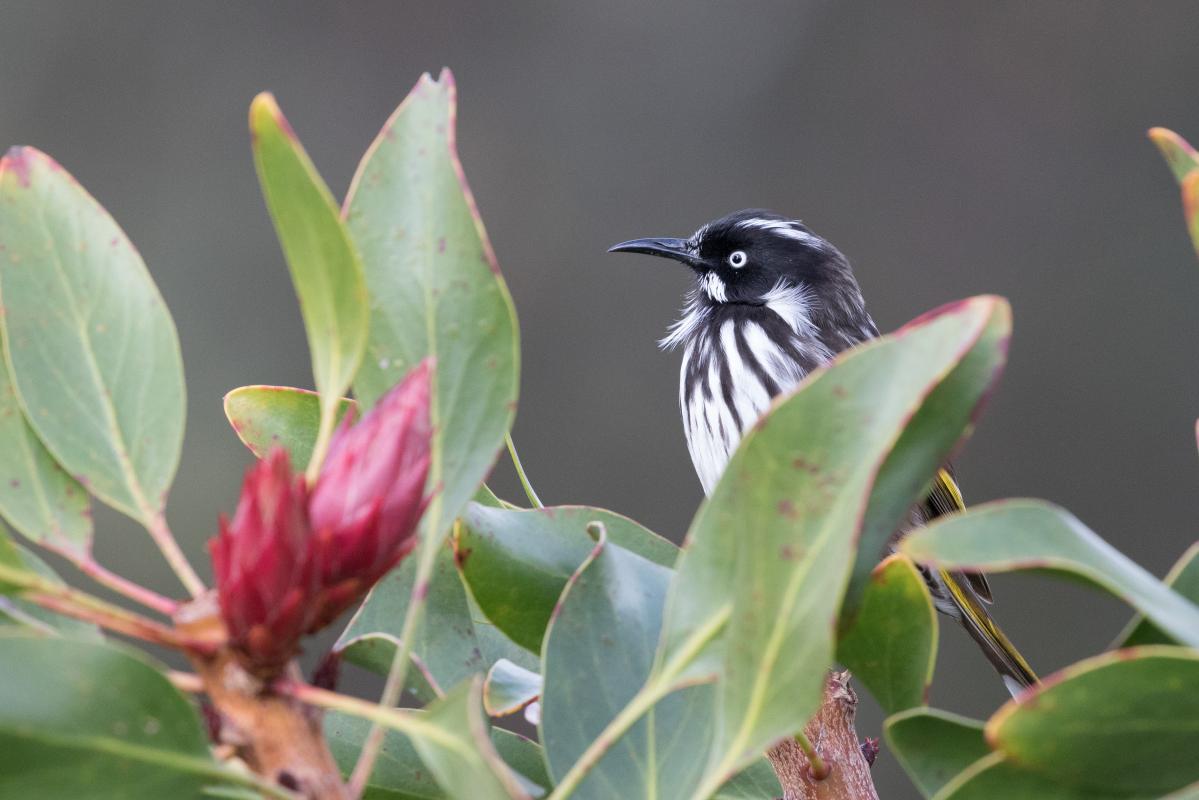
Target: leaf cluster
x,y
648,670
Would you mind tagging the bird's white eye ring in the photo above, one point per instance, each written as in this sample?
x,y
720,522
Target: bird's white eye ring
x,y
737,259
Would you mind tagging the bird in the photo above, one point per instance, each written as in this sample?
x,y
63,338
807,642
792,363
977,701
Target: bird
x,y
771,302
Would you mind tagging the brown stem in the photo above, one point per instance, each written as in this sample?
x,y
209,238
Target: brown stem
x,y
117,621
277,736
81,605
832,736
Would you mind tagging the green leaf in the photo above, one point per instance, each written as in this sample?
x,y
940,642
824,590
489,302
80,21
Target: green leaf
x,y
525,757
467,765
772,548
81,719
400,774
455,641
516,563
37,497
933,746
996,778
1183,578
279,416
599,649
1179,155
435,290
1119,722
28,616
324,265
755,782
1031,534
90,345
890,644
509,687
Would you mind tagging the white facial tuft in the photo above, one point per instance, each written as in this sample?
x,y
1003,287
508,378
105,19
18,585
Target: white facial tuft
x,y
714,287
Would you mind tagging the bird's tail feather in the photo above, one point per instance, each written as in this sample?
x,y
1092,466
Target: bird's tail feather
x,y
999,650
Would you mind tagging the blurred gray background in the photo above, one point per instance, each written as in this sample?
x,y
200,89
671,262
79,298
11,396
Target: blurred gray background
x,y
948,150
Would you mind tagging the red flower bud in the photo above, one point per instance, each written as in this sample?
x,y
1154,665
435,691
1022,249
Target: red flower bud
x,y
265,572
369,497
292,559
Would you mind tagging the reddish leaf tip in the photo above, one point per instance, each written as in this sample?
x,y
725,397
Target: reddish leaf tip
x,y
17,160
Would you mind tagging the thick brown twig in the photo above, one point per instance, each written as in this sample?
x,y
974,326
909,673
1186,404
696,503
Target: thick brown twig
x,y
832,735
278,736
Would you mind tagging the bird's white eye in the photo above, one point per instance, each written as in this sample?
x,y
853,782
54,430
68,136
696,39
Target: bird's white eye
x,y
737,259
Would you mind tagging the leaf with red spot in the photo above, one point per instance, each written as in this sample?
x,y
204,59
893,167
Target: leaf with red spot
x,y
37,496
435,290
89,344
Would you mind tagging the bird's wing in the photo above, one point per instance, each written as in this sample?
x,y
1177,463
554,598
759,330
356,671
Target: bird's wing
x,y
946,498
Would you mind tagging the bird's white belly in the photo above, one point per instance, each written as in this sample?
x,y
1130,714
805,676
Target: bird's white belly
x,y
715,416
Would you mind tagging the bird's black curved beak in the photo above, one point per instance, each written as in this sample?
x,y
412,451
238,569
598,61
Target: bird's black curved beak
x,y
677,249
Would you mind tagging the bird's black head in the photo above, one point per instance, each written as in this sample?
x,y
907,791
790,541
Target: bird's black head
x,y
747,255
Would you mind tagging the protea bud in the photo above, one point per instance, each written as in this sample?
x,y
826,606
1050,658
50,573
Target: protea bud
x,y
369,496
266,574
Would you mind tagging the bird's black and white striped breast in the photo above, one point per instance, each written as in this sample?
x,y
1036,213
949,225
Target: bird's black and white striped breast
x,y
736,358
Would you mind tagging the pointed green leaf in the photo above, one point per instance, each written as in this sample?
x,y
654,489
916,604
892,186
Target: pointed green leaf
x,y
890,644
1030,534
278,416
1183,578
772,548
81,719
934,746
325,267
1184,163
31,617
435,290
454,642
509,687
90,345
1119,722
468,765
516,563
37,497
598,653
400,774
